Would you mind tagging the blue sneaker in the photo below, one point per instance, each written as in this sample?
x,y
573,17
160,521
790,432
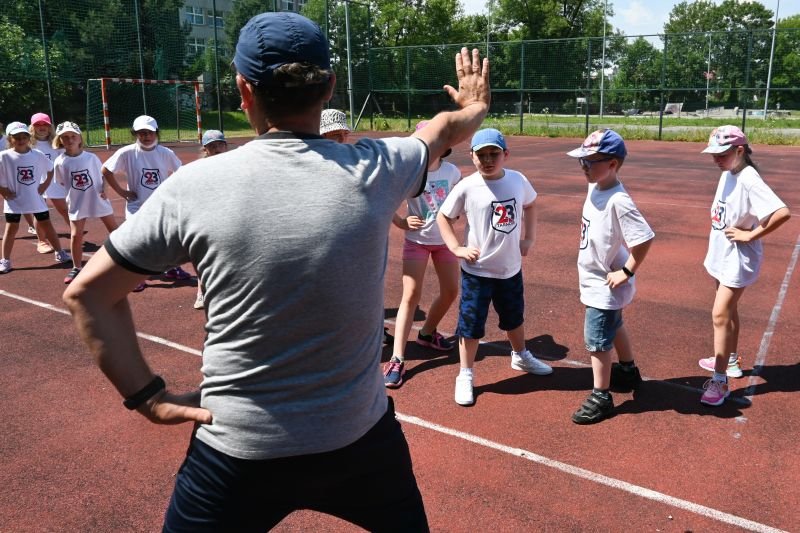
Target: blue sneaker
x,y
393,373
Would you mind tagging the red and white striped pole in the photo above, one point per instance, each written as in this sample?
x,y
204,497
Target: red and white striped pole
x,y
197,110
106,121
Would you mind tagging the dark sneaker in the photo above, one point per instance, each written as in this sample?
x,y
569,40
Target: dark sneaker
x,y
435,340
71,275
177,273
393,373
593,410
387,339
625,379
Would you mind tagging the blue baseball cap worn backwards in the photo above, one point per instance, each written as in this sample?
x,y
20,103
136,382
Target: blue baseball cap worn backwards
x,y
488,137
271,40
601,142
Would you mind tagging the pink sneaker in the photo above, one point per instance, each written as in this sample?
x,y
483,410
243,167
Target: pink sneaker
x,y
435,340
716,392
734,369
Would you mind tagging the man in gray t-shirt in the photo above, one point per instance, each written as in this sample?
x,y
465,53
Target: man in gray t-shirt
x,y
288,235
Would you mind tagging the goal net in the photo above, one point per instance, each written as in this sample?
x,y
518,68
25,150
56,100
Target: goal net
x,y
113,103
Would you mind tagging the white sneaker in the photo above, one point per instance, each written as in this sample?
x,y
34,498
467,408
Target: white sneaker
x,y
31,230
526,362
200,303
464,394
5,266
63,256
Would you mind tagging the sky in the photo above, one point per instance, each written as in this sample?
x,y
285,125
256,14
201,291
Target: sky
x,y
647,17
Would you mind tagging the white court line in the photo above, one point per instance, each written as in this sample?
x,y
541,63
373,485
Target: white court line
x,y
151,338
517,452
588,475
761,356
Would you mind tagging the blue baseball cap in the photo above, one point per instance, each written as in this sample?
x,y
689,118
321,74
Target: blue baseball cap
x,y
488,137
271,40
212,136
601,142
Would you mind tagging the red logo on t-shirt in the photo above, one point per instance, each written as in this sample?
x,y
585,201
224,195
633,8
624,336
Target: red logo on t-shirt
x,y
25,176
504,215
81,180
718,215
151,178
584,233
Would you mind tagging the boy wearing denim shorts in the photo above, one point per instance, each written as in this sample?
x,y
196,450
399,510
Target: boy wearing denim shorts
x,y
615,239
499,204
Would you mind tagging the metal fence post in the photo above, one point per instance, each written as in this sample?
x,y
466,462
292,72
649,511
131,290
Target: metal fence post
x,y
46,62
747,76
408,87
588,84
216,66
521,86
663,81
141,55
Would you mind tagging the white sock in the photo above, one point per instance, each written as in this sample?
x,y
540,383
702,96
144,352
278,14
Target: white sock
x,y
733,357
720,377
465,372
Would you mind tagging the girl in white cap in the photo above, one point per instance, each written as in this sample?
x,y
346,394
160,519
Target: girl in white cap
x,y
43,132
78,173
20,168
743,211
146,164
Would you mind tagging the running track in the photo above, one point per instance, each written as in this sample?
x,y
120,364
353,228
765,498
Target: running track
x,y
73,459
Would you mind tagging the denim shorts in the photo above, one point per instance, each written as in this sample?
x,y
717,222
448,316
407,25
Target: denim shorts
x,y
600,327
506,295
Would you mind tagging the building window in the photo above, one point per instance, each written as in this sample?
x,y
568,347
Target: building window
x,y
195,46
194,16
287,5
219,18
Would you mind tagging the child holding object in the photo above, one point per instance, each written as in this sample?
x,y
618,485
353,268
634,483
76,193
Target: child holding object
x,y
744,210
615,239
499,204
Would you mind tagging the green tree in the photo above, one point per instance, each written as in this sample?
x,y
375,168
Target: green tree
x,y
786,67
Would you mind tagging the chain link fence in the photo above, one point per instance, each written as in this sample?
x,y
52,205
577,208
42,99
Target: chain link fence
x,y
658,85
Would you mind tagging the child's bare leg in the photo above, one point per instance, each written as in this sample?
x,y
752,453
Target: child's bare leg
x,y
413,275
61,206
467,351
726,324
110,222
9,236
50,234
30,220
76,241
516,337
448,274
601,370
622,344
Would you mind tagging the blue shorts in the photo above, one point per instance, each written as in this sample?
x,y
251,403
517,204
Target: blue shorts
x,y
600,327
507,296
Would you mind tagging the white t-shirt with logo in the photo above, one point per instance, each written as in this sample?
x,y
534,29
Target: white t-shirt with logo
x,y
54,190
145,170
20,173
494,210
426,205
610,225
81,177
742,201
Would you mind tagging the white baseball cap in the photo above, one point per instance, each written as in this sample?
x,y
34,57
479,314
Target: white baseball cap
x,y
17,127
64,127
332,120
144,122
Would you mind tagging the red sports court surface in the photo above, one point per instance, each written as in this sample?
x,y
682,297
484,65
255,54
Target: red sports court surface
x,y
73,459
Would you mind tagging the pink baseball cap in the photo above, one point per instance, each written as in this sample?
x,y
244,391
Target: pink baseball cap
x,y
723,138
41,117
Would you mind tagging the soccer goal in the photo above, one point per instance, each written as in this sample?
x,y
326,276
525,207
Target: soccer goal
x,y
113,103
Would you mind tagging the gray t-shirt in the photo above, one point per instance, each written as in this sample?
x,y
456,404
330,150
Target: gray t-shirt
x,y
289,237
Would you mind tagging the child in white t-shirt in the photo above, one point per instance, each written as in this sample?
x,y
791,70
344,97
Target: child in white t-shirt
x,y
615,239
147,164
423,240
78,173
20,168
743,211
499,203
